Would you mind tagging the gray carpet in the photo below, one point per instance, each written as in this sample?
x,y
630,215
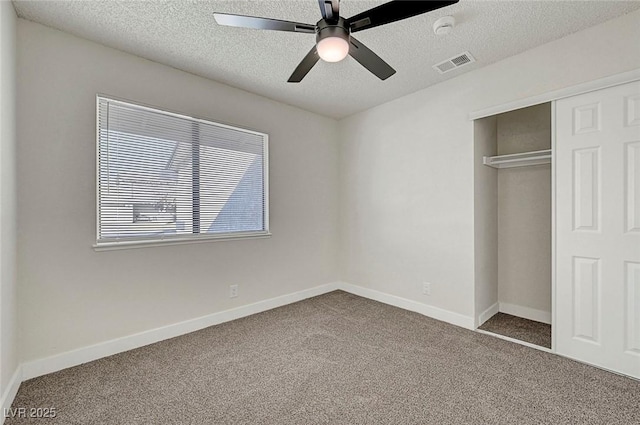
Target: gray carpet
x,y
519,328
334,359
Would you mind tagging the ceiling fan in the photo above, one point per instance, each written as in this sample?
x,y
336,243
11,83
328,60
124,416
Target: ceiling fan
x,y
333,32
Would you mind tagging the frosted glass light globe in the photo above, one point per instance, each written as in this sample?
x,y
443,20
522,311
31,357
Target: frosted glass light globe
x,y
333,49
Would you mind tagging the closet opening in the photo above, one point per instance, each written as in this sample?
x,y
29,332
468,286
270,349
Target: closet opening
x,y
513,219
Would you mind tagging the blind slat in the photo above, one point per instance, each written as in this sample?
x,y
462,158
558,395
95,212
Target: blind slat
x,y
156,168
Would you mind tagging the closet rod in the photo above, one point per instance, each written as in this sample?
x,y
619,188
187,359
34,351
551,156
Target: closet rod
x,y
518,159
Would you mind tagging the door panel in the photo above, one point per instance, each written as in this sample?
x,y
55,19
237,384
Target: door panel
x,y
597,172
632,172
586,299
586,189
633,308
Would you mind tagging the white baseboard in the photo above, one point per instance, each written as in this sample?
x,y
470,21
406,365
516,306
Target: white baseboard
x,y
11,391
488,314
404,303
82,355
526,312
79,356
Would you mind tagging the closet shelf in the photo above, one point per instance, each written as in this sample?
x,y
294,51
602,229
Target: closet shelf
x,y
518,159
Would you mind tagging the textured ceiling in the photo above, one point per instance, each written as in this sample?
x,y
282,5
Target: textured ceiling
x,y
184,35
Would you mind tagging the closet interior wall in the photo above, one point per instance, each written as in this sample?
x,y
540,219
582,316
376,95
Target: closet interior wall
x,y
513,217
524,216
485,220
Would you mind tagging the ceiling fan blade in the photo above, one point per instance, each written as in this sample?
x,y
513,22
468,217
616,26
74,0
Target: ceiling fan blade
x,y
262,23
330,9
370,60
305,66
393,11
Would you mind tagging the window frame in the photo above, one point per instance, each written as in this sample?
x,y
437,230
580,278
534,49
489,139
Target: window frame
x,y
163,240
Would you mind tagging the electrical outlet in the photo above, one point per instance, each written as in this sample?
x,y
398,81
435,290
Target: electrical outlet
x,y
426,288
233,291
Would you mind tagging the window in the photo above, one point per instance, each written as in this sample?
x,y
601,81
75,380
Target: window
x,y
164,177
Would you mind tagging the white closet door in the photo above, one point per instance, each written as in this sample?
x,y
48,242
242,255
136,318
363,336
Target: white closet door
x,y
597,167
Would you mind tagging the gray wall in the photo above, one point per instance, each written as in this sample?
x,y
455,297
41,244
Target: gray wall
x,y
524,211
9,351
404,172
407,173
485,182
73,297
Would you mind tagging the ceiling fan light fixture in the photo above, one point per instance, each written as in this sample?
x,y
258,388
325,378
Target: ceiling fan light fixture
x,y
333,49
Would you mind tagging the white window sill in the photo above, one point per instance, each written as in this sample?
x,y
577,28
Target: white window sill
x,y
132,244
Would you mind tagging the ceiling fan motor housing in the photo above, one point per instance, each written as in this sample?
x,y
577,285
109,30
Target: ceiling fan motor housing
x,y
327,29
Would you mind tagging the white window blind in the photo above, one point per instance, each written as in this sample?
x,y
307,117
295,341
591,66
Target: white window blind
x,y
168,177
